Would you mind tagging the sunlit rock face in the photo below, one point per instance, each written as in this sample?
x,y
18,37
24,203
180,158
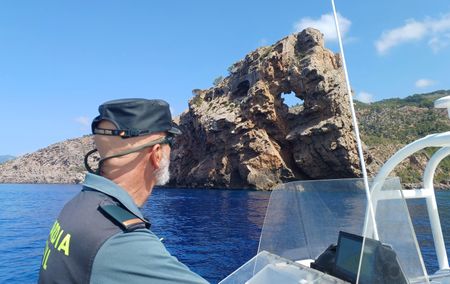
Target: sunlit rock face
x,y
58,163
240,133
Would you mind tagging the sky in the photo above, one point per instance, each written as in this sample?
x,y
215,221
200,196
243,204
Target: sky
x,y
59,60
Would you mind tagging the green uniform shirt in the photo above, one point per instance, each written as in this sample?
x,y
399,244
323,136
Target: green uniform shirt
x,y
117,256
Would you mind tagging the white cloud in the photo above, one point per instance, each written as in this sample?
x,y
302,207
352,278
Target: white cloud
x,y
439,42
84,121
365,97
437,31
326,25
423,83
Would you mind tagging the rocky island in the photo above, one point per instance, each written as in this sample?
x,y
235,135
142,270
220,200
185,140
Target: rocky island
x,y
240,133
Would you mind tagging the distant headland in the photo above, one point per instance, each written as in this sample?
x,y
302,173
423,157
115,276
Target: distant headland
x,y
240,134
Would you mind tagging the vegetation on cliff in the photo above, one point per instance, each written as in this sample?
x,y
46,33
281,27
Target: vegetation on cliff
x,y
401,121
388,125
385,126
240,133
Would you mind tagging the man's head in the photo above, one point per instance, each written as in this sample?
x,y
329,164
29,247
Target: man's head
x,y
134,117
133,135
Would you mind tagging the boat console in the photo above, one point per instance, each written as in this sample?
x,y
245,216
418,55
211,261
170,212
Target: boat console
x,y
380,263
335,231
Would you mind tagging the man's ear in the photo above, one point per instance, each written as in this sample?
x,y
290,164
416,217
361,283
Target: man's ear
x,y
155,156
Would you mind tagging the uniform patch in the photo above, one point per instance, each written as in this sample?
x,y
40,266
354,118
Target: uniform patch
x,y
58,241
126,220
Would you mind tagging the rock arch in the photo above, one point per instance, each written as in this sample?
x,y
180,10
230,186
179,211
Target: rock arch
x,y
253,139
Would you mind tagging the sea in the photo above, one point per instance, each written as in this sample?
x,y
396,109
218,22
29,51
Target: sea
x,y
213,232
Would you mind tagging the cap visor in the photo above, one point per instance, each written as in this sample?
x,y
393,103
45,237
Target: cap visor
x,y
175,131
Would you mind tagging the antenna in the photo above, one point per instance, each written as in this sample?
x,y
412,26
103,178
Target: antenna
x,y
370,210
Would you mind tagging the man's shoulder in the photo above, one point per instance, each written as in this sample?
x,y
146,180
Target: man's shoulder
x,y
122,217
141,242
92,218
140,255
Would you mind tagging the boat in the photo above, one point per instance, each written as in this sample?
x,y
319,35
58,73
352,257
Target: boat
x,y
312,224
354,230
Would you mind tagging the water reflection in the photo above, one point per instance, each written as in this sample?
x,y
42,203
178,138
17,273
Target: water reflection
x,y
213,231
419,216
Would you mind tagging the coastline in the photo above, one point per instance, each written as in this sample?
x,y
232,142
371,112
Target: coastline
x,y
407,186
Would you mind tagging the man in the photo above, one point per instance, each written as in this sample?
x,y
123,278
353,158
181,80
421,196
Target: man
x,y
100,235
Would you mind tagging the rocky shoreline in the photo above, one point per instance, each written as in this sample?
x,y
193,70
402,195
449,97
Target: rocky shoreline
x,y
240,133
58,163
62,163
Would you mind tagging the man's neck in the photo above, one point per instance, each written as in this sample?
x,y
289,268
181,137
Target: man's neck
x,y
138,187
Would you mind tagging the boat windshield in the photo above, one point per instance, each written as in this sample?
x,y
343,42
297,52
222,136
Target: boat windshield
x,y
304,218
392,227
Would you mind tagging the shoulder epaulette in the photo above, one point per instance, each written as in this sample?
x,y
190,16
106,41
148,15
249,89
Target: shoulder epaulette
x,y
124,218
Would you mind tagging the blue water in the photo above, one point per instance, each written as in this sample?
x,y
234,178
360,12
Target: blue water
x,y
419,216
212,231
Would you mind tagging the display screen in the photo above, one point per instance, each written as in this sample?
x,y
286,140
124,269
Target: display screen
x,y
348,254
379,261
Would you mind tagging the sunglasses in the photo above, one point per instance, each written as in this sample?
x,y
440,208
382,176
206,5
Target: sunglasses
x,y
169,140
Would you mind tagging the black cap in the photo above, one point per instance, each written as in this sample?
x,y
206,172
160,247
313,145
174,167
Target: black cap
x,y
135,117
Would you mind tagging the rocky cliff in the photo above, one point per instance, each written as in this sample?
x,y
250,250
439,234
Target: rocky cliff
x,y
58,163
241,134
389,124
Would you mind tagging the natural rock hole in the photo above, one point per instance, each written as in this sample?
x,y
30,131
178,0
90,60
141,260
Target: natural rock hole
x,y
291,100
242,89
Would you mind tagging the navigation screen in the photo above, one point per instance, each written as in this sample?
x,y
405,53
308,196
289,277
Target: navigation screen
x,y
379,264
349,253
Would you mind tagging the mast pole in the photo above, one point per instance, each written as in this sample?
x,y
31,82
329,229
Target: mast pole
x,y
356,128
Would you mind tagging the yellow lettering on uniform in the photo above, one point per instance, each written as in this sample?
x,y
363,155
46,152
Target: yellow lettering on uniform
x,y
65,244
55,233
59,236
53,229
46,254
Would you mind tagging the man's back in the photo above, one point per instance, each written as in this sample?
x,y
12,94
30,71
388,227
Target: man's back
x,y
98,239
75,238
